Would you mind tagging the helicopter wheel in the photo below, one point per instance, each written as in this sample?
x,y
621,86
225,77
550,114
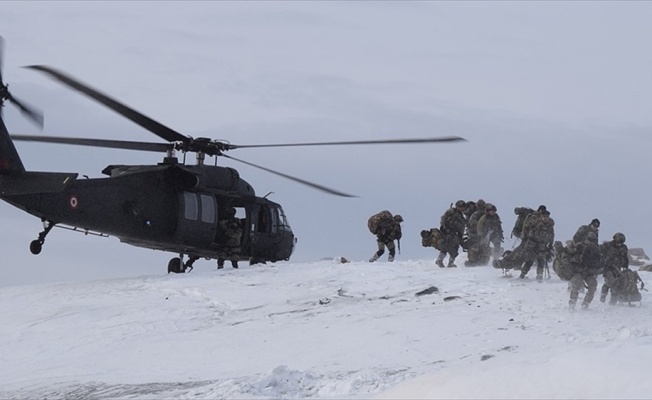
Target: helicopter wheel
x,y
35,247
175,266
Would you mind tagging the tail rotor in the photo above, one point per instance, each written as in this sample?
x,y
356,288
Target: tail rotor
x,y
30,112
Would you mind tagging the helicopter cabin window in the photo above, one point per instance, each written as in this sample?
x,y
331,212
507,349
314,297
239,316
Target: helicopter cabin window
x,y
207,209
191,208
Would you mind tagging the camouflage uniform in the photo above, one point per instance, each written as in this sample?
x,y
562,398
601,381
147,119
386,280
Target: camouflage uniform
x,y
232,231
586,264
474,247
625,288
470,207
614,260
452,227
388,231
562,264
491,227
584,230
522,213
538,237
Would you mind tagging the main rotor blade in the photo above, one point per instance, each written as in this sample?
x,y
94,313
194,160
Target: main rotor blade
x,y
385,141
34,114
155,127
2,53
114,144
304,182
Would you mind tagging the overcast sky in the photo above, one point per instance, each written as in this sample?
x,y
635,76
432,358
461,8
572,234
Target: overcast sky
x,y
553,97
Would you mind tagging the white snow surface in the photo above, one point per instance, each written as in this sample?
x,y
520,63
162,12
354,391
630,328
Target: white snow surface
x,y
320,330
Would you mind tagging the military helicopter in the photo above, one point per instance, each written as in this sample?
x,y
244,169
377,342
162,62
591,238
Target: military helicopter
x,y
171,206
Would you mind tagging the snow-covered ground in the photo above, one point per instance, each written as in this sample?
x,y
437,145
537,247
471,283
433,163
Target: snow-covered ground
x,y
320,330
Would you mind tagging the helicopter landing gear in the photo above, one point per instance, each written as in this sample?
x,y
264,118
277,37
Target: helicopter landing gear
x,y
36,246
177,266
188,265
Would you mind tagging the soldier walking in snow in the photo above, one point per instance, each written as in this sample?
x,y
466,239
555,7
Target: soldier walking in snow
x,y
490,228
586,264
452,227
584,230
614,260
538,237
387,228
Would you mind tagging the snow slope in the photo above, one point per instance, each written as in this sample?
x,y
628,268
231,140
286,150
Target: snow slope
x,y
320,330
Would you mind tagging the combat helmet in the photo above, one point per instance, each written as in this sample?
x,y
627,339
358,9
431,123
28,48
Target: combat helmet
x,y
398,218
460,203
490,207
619,237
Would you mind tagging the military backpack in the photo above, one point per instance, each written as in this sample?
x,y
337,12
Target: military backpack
x,y
626,286
375,221
522,213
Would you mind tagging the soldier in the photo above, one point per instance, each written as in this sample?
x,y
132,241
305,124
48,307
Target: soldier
x,y
522,213
583,230
625,288
388,230
490,229
452,227
614,260
562,264
469,208
586,264
474,248
232,232
538,237
472,224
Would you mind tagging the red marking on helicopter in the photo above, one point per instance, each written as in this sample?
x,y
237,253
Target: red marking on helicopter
x,y
4,164
74,202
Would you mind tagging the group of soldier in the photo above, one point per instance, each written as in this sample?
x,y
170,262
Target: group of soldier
x,y
477,229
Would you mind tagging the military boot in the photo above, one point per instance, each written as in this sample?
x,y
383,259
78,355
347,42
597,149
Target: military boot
x,y
391,258
440,263
539,278
374,258
571,304
220,263
451,263
603,297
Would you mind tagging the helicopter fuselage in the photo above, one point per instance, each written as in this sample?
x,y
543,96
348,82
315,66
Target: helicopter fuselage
x,y
167,207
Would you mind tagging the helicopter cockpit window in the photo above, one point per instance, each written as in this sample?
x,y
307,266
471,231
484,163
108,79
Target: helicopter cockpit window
x,y
207,209
191,208
282,218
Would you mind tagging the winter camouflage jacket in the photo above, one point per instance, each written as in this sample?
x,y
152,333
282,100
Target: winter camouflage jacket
x,y
490,223
614,256
539,232
587,259
453,223
389,230
582,233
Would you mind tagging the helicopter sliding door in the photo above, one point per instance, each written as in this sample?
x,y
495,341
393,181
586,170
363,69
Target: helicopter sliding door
x,y
197,219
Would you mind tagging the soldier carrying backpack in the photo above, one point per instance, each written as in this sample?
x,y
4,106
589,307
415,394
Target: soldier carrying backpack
x,y
614,259
625,288
387,228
